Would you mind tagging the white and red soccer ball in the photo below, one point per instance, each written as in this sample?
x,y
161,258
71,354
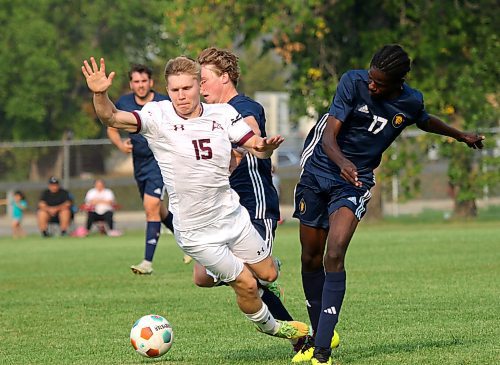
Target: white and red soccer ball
x,y
151,336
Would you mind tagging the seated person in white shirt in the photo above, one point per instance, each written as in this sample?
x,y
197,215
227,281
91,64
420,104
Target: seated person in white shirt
x,y
100,202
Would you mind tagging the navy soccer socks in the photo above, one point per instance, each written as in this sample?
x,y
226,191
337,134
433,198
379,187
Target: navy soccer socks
x,y
152,237
333,295
168,221
313,283
275,305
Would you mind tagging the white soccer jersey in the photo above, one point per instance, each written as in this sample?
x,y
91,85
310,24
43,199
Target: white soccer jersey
x,y
193,156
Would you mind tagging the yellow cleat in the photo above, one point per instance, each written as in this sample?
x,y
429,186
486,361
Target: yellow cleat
x,y
292,329
289,329
335,340
305,354
318,362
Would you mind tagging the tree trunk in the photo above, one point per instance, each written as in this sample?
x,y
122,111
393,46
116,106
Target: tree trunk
x,y
465,209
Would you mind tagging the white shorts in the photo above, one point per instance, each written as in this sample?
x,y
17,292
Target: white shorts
x,y
224,246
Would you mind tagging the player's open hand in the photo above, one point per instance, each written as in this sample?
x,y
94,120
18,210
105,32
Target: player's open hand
x,y
472,140
97,81
269,144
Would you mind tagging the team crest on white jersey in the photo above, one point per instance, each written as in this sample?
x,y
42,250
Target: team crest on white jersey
x,y
216,125
364,109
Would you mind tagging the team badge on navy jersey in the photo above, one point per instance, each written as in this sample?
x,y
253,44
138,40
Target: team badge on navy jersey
x,y
302,206
398,120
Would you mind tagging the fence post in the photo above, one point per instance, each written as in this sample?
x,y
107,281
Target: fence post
x,y
67,136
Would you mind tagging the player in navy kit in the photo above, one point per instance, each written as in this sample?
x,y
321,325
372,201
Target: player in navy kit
x,y
369,110
251,177
146,171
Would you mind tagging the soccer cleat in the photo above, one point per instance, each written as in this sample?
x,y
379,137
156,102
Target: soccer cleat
x,y
305,353
187,259
142,269
322,356
291,329
319,362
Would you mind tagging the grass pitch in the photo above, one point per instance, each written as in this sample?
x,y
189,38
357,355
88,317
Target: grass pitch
x,y
417,293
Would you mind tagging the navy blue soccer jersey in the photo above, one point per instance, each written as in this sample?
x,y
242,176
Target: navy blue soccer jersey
x,y
252,179
369,125
140,148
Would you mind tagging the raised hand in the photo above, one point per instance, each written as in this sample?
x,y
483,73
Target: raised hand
x,y
97,81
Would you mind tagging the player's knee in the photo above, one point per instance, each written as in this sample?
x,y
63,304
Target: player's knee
x,y
203,281
334,260
246,286
152,213
311,262
270,275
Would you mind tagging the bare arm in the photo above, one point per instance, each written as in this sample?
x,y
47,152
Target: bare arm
x,y
348,170
238,154
253,124
99,83
114,136
436,125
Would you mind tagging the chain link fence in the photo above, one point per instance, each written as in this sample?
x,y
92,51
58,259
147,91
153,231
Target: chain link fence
x,y
26,166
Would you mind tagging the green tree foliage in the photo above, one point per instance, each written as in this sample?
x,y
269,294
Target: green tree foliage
x,y
42,46
453,43
454,46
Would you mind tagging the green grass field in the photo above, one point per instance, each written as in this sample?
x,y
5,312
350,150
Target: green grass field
x,y
418,293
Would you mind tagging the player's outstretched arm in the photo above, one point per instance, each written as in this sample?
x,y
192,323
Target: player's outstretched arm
x,y
99,83
263,147
436,125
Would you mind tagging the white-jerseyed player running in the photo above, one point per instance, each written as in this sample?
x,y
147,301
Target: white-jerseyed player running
x,y
192,143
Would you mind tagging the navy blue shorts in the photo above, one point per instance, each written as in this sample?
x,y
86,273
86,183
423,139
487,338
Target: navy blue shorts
x,y
316,198
266,229
148,178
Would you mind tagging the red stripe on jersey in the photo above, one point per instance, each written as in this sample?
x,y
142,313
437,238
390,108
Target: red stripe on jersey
x,y
139,123
245,138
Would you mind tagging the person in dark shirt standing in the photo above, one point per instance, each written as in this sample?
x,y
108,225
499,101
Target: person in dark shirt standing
x,y
369,111
54,206
146,171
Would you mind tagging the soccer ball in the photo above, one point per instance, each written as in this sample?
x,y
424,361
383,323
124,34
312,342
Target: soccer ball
x,y
151,336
